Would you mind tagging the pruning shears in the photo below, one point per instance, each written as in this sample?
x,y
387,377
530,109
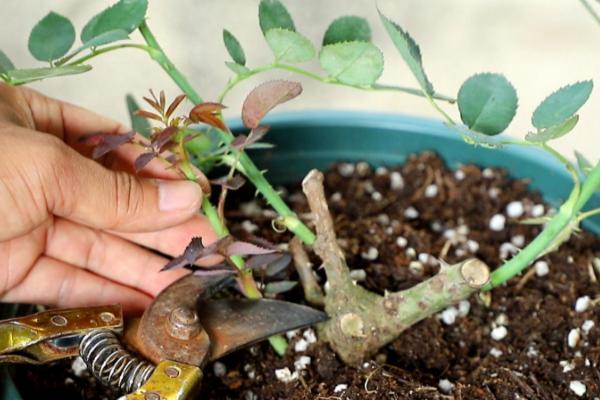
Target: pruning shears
x,y
183,329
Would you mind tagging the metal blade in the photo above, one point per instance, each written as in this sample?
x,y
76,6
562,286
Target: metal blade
x,y
235,323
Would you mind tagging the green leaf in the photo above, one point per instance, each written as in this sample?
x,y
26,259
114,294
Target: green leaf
x,y
237,68
347,29
51,38
487,103
553,132
21,76
272,14
583,163
352,63
5,63
289,46
234,48
561,105
138,123
410,52
125,15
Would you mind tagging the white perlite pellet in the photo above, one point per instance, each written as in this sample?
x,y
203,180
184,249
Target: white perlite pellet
x,y
567,366
411,213
358,275
499,332
445,386
78,366
219,369
285,375
459,175
371,254
573,337
381,171
472,246
508,249
541,268
449,315
537,210
463,308
346,169
582,304
337,196
340,388
514,209
431,190
383,219
376,196
310,336
578,388
587,326
487,173
518,240
301,363
300,346
495,352
494,193
396,181
411,253
501,319
401,241
497,222
249,226
292,334
362,168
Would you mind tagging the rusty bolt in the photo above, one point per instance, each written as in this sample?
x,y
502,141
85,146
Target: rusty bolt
x,y
183,323
58,320
152,396
172,372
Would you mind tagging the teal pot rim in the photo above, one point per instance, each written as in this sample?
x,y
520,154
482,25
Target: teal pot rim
x,y
316,138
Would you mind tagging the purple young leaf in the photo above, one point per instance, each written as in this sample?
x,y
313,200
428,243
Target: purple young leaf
x,y
265,97
246,249
192,252
108,143
163,138
279,287
257,133
174,105
271,264
279,265
220,269
143,160
239,142
177,262
233,183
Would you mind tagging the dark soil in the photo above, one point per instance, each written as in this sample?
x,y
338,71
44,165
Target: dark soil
x,y
438,358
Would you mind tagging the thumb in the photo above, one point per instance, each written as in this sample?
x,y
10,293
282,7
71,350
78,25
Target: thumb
x,y
77,188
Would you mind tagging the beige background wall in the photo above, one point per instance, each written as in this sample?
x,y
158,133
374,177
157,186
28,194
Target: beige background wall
x,y
539,45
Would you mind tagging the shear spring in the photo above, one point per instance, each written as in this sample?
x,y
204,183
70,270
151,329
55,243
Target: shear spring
x,y
110,363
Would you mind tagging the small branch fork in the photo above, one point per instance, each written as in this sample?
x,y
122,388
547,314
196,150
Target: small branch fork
x,y
361,321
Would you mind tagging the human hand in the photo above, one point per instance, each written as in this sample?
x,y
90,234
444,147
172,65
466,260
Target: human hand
x,y
69,225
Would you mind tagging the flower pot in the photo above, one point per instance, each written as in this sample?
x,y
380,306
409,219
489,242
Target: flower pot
x,y
315,139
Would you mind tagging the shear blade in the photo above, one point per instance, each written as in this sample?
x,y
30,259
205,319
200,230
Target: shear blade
x,y
235,323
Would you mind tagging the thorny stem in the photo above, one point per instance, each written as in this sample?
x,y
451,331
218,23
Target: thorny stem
x,y
96,52
248,284
324,79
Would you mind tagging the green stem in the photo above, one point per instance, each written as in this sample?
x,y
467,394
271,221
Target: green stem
x,y
561,221
590,10
159,56
324,79
107,49
588,214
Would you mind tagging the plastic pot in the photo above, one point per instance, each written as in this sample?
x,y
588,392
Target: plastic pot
x,y
315,139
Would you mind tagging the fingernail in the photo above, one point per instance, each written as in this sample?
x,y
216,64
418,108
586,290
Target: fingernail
x,y
178,195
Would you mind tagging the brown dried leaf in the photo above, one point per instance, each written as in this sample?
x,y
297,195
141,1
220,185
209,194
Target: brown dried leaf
x,y
265,97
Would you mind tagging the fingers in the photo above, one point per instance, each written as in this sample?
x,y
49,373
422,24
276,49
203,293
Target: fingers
x,y
109,256
52,177
173,241
59,284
